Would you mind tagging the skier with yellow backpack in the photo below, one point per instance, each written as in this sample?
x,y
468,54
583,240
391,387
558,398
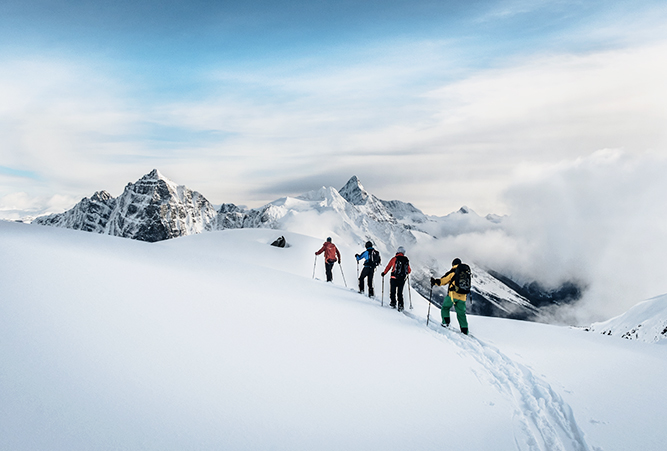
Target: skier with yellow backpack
x,y
459,280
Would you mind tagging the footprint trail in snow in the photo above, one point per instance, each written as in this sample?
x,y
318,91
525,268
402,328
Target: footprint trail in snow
x,y
543,420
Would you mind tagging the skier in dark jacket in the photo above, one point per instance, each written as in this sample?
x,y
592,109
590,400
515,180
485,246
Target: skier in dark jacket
x,y
331,256
371,260
400,268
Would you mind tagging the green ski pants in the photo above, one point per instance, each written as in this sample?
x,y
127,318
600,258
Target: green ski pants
x,y
459,307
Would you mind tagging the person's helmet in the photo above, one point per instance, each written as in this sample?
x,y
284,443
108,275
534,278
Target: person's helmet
x,y
328,239
400,250
369,245
456,261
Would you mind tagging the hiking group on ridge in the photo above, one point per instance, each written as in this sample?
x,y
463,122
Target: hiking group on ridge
x,y
458,279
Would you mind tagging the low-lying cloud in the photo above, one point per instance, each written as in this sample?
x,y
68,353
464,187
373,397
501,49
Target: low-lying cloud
x,y
600,221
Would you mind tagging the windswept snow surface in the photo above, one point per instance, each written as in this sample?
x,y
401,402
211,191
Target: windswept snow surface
x,y
221,341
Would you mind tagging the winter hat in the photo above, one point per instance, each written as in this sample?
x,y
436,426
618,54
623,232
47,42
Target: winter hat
x,y
456,261
400,250
328,239
369,245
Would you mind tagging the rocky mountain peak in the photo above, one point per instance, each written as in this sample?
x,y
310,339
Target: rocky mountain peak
x,y
154,185
101,196
354,192
154,175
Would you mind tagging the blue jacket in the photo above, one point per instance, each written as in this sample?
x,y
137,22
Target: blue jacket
x,y
367,256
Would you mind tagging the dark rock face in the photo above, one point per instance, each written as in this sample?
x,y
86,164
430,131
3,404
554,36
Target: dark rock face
x,y
156,209
353,192
567,293
89,215
232,217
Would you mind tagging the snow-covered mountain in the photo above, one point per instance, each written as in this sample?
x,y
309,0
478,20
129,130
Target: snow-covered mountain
x,y
646,321
327,212
152,209
353,216
155,208
222,341
90,215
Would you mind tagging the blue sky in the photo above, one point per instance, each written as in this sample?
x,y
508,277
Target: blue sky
x,y
439,103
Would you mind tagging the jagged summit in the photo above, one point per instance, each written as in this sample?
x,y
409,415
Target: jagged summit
x,y
156,182
354,192
101,196
155,174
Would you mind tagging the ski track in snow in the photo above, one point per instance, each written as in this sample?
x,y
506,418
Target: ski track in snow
x,y
543,420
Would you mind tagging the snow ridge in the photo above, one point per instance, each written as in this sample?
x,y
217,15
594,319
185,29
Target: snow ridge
x,y
646,321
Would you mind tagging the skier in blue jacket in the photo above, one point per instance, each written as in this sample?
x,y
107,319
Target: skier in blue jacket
x,y
372,259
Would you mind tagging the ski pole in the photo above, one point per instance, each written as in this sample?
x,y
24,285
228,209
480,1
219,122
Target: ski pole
x,y
428,315
314,265
341,271
357,269
409,293
382,301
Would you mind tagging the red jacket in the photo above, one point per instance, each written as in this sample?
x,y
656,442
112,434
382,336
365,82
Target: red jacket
x,y
330,251
392,264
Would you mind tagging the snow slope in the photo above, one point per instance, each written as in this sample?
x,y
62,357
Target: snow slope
x,y
646,321
221,341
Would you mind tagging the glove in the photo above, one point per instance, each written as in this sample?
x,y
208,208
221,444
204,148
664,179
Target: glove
x,y
433,281
383,274
356,255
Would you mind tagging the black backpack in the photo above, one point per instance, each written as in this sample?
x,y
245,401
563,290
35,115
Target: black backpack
x,y
462,279
402,265
373,258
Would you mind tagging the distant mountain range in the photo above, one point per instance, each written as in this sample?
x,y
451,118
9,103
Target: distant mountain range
x,y
151,209
154,209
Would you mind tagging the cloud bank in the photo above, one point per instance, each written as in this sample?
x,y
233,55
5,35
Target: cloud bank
x,y
599,220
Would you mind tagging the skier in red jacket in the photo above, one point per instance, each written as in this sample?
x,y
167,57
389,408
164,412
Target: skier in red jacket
x,y
399,266
331,256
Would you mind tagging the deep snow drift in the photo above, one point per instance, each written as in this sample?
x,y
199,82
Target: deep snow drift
x,y
221,341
